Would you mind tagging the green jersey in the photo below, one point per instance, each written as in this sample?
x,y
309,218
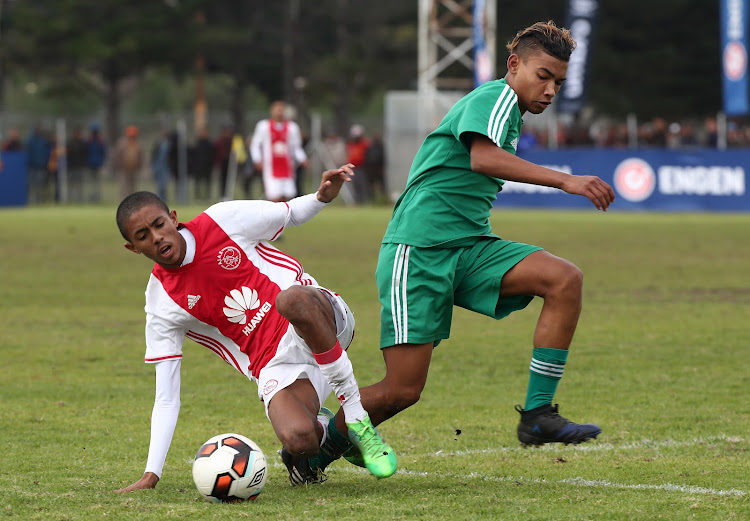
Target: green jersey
x,y
444,202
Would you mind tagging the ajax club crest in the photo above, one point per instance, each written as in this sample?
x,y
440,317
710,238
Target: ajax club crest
x,y
229,258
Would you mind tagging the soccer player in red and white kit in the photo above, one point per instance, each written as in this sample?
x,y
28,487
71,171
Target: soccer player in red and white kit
x,y
276,150
219,282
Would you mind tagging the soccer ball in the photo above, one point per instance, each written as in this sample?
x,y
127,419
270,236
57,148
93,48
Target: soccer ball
x,y
230,467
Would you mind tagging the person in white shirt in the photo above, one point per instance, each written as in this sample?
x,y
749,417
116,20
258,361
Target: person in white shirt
x,y
219,282
276,151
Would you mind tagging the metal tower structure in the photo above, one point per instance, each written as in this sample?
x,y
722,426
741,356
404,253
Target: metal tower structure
x,y
448,31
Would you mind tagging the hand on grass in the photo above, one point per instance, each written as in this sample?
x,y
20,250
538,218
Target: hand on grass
x,y
149,480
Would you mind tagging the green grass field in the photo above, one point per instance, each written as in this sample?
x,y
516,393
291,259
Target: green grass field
x,y
659,361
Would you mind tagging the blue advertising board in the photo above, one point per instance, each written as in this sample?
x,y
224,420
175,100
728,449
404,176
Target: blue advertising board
x,y
654,180
13,179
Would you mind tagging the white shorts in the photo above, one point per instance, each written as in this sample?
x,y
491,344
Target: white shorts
x,y
294,359
279,188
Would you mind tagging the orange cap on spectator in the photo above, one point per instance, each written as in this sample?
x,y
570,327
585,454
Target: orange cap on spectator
x,y
131,131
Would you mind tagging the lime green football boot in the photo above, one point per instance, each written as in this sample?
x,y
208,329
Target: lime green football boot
x,y
377,455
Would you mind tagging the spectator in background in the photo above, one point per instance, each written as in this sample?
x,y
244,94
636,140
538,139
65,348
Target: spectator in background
x,y
222,153
173,154
735,135
618,136
712,132
38,149
356,150
54,164
578,135
128,160
687,135
202,164
299,179
336,147
160,164
659,133
375,166
76,165
240,162
96,153
276,150
250,177
13,142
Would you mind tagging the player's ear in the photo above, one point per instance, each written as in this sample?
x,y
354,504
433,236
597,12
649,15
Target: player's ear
x,y
173,216
513,62
129,246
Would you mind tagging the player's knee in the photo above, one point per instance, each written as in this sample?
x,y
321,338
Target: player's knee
x,y
299,441
402,396
571,279
294,303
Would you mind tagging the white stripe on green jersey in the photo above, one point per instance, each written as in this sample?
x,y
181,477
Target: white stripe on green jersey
x,y
499,118
445,203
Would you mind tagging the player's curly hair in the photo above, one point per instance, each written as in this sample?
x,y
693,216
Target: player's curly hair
x,y
544,36
132,204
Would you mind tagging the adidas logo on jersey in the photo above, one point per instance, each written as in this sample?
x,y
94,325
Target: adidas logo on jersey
x,y
514,144
193,300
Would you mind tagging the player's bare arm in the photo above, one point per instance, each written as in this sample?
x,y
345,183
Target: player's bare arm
x,y
149,480
332,181
489,159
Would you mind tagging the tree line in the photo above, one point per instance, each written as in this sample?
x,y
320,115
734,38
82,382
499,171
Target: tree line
x,y
649,58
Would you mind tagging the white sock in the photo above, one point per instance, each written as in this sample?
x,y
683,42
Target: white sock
x,y
337,368
323,421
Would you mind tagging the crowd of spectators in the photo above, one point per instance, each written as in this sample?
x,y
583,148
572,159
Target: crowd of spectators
x,y
132,159
83,157
657,132
153,161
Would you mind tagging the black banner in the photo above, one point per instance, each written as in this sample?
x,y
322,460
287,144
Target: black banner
x,y
581,20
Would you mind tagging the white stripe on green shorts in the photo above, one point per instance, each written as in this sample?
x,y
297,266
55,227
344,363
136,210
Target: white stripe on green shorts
x,y
398,294
547,369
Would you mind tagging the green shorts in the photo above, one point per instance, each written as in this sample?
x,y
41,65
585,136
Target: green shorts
x,y
418,287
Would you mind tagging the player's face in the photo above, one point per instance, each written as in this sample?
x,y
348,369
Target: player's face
x,y
277,110
153,232
536,80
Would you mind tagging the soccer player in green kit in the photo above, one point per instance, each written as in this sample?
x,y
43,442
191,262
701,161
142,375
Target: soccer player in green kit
x,y
439,250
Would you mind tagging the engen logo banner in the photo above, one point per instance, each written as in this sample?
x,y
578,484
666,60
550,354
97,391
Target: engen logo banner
x,y
733,21
660,180
580,20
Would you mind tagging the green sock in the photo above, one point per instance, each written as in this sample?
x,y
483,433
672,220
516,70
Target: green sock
x,y
341,440
545,372
332,449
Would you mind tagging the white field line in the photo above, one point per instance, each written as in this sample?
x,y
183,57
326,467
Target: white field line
x,y
598,446
578,481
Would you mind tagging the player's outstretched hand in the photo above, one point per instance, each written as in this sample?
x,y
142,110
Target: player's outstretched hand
x,y
149,480
332,181
590,186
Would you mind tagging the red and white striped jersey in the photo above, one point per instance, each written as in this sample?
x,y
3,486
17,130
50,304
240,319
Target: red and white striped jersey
x,y
224,299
